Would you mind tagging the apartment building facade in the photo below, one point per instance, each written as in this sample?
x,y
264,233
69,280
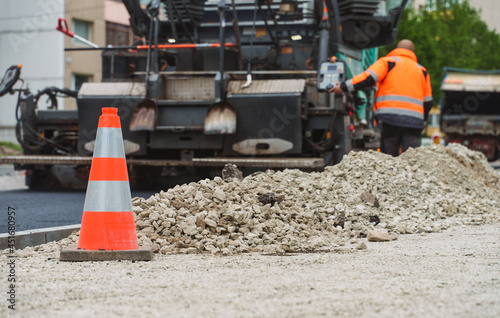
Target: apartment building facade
x,y
28,36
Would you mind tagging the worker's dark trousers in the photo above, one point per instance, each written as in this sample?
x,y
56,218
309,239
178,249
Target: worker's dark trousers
x,y
394,138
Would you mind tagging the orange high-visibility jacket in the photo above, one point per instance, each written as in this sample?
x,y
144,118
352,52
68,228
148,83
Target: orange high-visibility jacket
x,y
404,95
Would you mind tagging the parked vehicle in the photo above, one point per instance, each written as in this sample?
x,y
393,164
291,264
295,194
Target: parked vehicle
x,y
470,109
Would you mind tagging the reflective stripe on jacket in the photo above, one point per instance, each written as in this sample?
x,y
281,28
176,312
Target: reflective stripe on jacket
x,y
404,95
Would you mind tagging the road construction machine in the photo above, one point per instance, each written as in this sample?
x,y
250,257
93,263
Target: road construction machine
x,y
208,83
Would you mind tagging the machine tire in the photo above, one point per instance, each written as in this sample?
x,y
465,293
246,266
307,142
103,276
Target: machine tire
x,y
41,179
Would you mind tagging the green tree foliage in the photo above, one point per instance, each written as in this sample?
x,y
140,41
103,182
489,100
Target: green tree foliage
x,y
449,33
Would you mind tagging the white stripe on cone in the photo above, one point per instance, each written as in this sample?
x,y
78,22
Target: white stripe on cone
x,y
109,143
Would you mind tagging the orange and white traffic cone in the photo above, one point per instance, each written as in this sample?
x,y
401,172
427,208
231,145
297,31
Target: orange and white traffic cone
x,y
108,226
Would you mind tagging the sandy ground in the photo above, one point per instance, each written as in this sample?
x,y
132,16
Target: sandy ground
x,y
451,274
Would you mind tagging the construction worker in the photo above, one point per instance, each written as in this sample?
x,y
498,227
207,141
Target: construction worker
x,y
403,98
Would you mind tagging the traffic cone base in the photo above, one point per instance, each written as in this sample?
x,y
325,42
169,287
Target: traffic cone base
x,y
108,225
74,254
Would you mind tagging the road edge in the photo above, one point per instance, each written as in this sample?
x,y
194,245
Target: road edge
x,y
35,237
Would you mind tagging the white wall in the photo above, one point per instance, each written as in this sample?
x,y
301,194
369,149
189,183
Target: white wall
x,y
28,36
490,11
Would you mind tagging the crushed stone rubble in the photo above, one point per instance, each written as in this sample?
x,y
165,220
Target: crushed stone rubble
x,y
424,190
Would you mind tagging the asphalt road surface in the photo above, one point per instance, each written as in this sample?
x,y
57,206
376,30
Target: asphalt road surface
x,y
41,209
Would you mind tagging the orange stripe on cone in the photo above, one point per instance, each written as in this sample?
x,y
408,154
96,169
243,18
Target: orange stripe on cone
x,y
108,231
108,169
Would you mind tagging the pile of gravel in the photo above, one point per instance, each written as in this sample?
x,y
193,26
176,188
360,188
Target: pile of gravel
x,y
424,190
427,190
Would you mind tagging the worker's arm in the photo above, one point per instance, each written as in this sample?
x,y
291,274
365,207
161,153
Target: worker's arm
x,y
427,95
370,77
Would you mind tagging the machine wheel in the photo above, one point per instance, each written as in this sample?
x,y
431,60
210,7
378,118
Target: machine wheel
x,y
40,179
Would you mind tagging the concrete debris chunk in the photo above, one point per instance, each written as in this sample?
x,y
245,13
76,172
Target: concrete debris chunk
x,y
369,198
374,219
339,220
361,246
268,198
376,236
231,171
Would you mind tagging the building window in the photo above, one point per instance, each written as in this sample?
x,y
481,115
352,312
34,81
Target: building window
x,y
81,28
117,34
78,79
